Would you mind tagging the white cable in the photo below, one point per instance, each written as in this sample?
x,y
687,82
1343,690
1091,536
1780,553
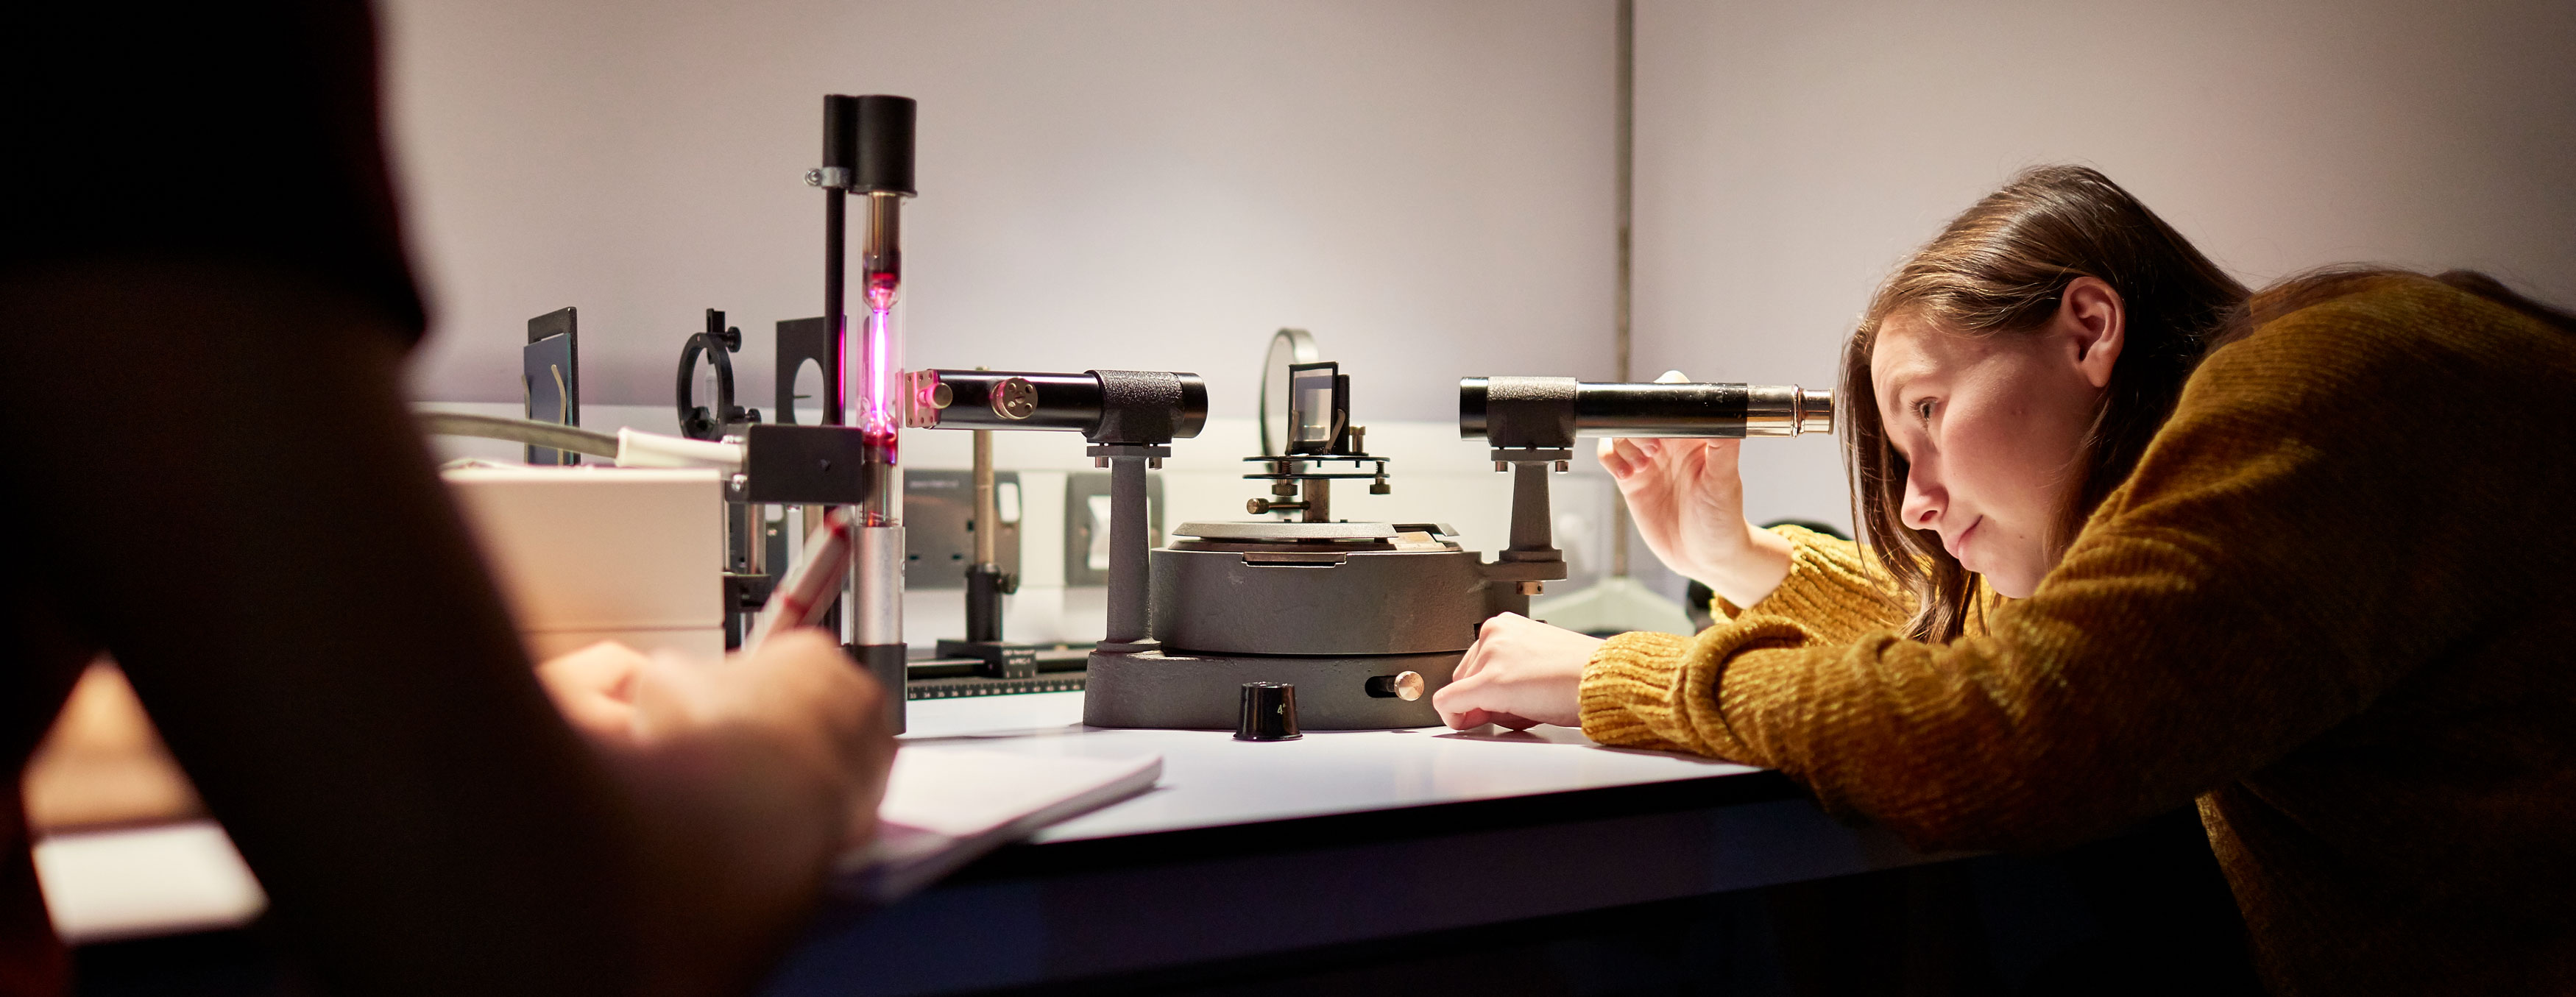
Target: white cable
x,y
637,449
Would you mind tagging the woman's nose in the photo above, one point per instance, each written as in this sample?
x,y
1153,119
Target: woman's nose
x,y
1923,503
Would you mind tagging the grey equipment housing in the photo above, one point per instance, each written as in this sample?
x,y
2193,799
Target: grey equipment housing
x,y
1277,580
1366,619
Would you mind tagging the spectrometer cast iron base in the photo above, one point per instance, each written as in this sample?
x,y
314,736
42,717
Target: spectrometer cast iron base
x,y
1204,691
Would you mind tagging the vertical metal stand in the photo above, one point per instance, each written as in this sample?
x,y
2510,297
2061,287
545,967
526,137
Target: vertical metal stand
x,y
984,583
1532,560
1130,625
1626,197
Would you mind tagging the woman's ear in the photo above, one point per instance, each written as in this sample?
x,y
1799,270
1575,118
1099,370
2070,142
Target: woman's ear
x,y
2092,320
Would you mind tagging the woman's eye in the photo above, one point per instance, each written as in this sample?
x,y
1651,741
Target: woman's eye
x,y
1923,410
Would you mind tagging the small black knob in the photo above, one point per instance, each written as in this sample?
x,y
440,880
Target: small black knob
x,y
1269,712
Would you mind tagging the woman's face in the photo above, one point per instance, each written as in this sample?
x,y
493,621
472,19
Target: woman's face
x,y
1992,429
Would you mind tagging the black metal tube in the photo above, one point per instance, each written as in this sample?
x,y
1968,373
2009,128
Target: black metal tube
x,y
1549,412
984,604
1505,407
840,133
840,155
836,246
1062,401
1085,403
1710,410
881,157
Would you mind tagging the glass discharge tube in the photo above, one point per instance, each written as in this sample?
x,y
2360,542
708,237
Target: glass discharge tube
x,y
876,388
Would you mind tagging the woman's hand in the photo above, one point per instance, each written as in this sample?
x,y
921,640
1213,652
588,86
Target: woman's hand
x,y
1688,501
747,777
797,707
595,689
1520,673
748,781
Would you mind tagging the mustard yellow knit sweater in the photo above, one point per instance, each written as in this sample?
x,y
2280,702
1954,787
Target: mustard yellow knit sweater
x,y
2336,603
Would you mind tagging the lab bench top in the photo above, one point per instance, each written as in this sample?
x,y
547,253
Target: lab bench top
x,y
1242,850
1251,848
1388,778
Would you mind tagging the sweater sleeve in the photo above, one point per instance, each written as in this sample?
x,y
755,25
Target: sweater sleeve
x,y
1832,587
2266,572
1636,683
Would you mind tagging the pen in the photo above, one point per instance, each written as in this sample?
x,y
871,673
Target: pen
x,y
807,592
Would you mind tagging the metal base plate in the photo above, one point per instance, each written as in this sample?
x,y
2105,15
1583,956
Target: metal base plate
x,y
1203,692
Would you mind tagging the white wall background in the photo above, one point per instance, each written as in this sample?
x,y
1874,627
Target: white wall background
x,y
1146,184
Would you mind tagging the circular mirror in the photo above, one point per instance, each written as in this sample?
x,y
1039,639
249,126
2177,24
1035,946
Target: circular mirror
x,y
1287,347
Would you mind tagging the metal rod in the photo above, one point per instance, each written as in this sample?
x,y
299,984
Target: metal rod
x,y
983,581
1318,496
988,513
1626,199
836,246
754,524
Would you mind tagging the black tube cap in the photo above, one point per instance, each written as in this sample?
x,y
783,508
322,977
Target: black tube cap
x,y
1269,713
840,131
884,161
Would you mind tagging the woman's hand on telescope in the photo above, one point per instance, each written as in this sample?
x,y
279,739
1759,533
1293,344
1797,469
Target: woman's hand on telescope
x,y
1520,673
1687,498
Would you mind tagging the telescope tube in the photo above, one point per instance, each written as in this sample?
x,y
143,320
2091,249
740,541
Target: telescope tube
x,y
1549,412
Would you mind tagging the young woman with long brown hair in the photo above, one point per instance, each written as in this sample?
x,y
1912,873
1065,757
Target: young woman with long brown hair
x,y
2135,536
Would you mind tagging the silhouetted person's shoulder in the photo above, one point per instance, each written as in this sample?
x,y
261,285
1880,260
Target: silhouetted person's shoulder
x,y
241,131
160,156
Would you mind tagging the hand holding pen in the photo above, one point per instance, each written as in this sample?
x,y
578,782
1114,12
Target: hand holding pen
x,y
808,591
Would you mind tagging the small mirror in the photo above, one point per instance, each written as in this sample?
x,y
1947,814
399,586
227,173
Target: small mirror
x,y
1316,409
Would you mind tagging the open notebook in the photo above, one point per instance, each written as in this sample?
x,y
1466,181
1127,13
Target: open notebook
x,y
944,807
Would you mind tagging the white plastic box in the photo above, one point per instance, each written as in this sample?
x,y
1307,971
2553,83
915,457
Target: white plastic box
x,y
586,554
